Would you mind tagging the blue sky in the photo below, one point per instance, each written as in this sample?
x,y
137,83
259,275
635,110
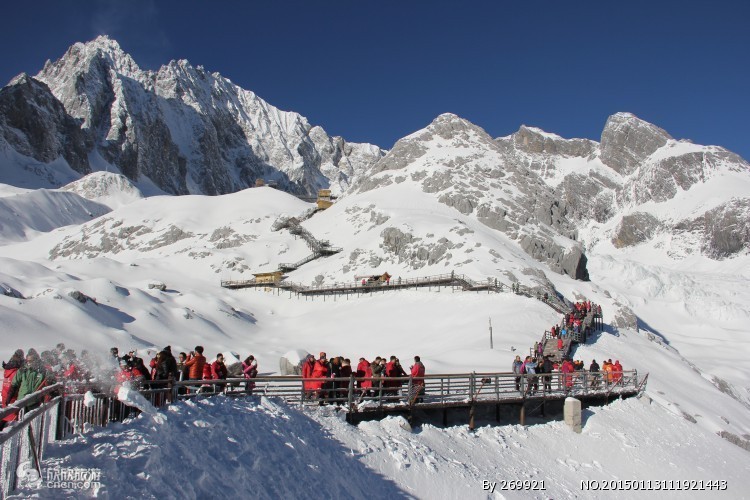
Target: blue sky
x,y
377,71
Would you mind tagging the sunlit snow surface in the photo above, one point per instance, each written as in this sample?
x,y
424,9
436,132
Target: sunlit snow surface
x,y
693,316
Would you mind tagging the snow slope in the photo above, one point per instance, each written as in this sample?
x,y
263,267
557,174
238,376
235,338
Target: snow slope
x,y
191,243
274,451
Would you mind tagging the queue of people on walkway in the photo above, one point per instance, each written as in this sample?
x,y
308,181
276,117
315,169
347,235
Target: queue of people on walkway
x,y
372,378
530,371
26,373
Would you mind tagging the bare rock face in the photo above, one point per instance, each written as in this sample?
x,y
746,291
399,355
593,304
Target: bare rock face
x,y
634,229
35,124
661,179
627,141
723,231
536,141
625,318
727,229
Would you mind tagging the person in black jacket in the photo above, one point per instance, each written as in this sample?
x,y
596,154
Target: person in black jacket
x,y
594,371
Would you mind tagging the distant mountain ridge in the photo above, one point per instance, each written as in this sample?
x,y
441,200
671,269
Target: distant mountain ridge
x,y
185,129
182,130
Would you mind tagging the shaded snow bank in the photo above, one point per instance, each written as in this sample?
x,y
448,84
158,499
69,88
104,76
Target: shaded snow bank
x,y
223,446
219,447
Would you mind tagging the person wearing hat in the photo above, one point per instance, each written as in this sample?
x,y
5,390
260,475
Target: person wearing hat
x,y
30,378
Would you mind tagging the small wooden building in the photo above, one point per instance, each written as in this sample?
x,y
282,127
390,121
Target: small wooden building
x,y
324,199
273,277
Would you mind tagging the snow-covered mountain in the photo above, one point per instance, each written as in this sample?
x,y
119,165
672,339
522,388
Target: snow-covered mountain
x,y
183,128
641,186
657,230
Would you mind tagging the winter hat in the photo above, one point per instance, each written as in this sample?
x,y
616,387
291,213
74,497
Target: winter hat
x,y
168,349
322,355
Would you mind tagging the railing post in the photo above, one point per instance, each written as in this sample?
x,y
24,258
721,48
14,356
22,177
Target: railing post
x,y
351,391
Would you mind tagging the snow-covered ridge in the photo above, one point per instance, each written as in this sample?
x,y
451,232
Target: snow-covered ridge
x,y
23,216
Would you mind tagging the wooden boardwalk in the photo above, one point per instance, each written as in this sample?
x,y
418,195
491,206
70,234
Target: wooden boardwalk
x,y
444,393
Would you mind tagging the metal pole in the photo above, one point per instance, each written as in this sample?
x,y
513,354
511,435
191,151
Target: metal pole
x,y
491,343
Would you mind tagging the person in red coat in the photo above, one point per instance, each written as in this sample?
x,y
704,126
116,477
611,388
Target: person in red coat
x,y
417,384
307,370
219,371
320,370
218,368
366,385
567,371
9,372
617,372
361,369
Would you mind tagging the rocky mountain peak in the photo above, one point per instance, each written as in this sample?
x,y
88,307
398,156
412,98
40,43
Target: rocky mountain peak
x,y
627,141
449,126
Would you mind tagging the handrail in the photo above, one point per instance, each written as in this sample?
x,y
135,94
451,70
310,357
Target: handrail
x,y
29,400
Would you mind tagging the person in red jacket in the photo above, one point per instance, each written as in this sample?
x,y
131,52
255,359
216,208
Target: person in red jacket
x,y
195,363
567,374
361,368
417,384
307,370
219,371
320,370
249,371
9,372
617,372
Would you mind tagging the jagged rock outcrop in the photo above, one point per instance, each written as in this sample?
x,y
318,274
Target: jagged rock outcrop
x,y
624,318
723,231
537,141
35,124
634,229
627,141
